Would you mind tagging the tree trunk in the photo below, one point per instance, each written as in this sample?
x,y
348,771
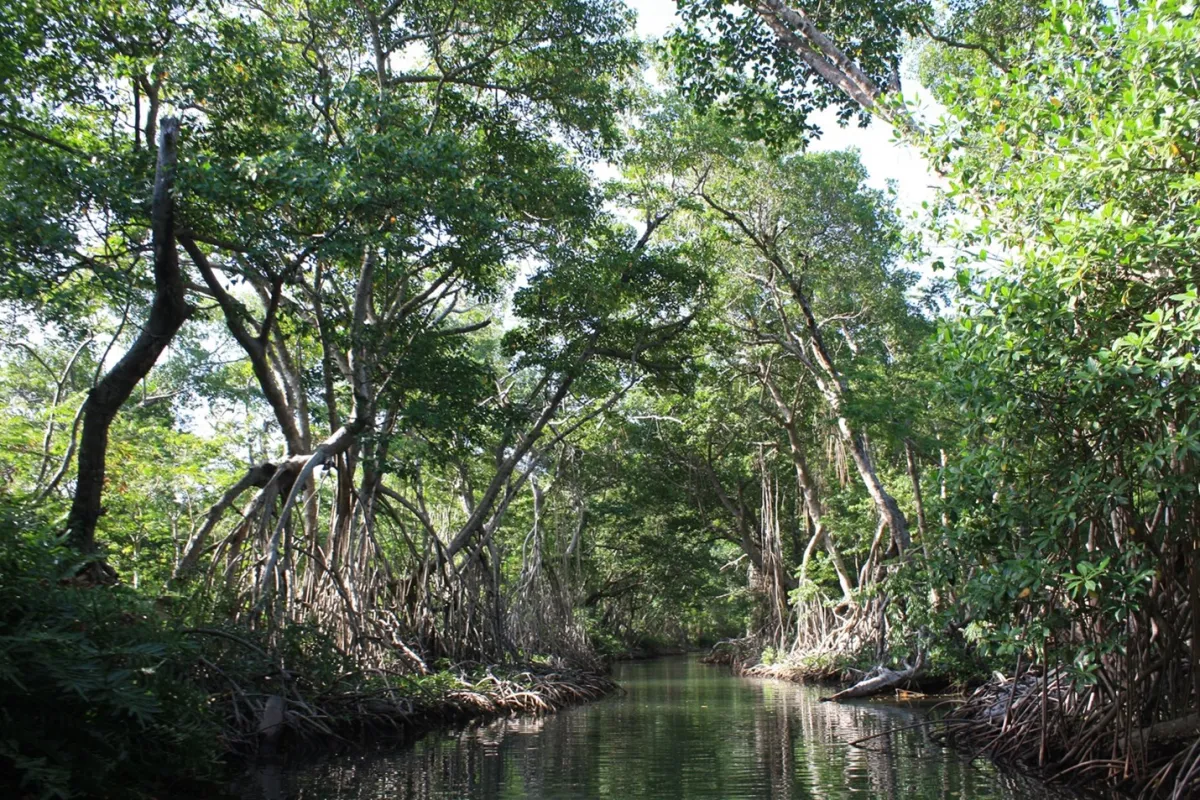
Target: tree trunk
x,y
798,33
807,485
879,680
914,475
168,312
255,476
831,384
889,509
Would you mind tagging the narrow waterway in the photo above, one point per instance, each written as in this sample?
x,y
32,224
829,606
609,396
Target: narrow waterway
x,y
678,729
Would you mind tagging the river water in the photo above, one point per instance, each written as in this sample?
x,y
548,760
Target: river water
x,y
677,729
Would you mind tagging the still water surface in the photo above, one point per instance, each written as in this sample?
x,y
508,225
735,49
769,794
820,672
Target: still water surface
x,y
678,729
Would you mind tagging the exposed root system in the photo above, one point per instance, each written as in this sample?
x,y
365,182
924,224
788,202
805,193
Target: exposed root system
x,y
734,653
1049,723
394,707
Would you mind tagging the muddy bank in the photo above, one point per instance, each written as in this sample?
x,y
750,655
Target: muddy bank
x,y
401,709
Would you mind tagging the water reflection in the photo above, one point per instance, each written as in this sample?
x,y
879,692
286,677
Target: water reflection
x,y
678,730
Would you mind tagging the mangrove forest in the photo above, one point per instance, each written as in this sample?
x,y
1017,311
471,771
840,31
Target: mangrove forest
x,y
373,369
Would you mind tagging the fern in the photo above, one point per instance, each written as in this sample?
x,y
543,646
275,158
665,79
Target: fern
x,y
96,693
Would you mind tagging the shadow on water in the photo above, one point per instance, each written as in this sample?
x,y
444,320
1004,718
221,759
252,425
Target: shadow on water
x,y
679,729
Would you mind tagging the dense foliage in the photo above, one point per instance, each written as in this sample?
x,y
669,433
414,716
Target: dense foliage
x,y
323,336
96,689
1073,368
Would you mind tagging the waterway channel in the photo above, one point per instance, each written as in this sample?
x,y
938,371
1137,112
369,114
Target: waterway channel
x,y
676,729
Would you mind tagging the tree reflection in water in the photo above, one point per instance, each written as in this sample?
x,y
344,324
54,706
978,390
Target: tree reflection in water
x,y
678,729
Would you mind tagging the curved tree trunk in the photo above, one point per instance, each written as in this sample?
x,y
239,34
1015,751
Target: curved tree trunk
x,y
807,484
832,385
888,508
167,314
806,344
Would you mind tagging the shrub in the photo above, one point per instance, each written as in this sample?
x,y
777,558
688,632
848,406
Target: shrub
x,y
95,690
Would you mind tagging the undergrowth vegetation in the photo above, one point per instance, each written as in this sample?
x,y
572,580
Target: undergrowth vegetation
x,y
340,392
107,693
99,694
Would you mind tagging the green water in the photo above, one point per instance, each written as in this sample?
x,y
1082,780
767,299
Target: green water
x,y
678,729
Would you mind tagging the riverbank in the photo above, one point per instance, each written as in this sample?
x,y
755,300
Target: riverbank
x,y
1051,724
648,652
1044,723
109,693
676,729
398,709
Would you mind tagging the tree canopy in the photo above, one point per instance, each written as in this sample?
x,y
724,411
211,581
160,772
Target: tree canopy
x,y
403,334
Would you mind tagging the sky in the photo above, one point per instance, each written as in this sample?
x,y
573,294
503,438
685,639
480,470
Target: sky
x,y
883,158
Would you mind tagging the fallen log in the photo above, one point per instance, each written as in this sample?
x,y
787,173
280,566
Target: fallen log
x,y
879,680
